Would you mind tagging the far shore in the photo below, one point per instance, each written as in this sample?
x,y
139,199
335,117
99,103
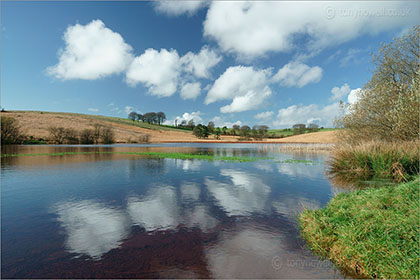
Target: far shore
x,y
35,124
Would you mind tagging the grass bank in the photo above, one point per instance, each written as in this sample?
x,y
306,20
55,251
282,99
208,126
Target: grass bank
x,y
151,155
395,162
125,121
372,233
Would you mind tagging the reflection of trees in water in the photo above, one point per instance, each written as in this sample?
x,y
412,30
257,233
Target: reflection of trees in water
x,y
152,166
9,149
10,161
240,152
40,161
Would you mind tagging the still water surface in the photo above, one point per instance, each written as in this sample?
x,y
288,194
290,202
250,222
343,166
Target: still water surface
x,y
127,216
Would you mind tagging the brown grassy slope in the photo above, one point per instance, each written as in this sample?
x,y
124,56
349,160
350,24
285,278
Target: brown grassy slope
x,y
314,137
36,124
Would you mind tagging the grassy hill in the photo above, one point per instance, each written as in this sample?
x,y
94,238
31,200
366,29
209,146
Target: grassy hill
x,y
117,120
35,125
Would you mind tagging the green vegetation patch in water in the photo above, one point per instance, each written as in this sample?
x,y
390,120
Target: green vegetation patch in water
x,y
152,155
306,162
372,233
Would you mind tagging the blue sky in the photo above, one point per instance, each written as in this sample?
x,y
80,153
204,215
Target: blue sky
x,y
274,63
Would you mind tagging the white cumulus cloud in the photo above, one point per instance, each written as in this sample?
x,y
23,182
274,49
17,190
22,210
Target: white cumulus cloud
x,y
93,110
158,70
246,87
296,74
264,115
200,64
128,109
254,28
161,71
294,114
190,90
221,122
195,116
354,96
339,92
92,51
177,8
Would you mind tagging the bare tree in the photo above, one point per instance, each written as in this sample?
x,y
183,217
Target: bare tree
x,y
388,105
10,133
107,136
57,134
86,136
97,129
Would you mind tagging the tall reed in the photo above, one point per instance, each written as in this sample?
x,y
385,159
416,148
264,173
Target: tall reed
x,y
397,162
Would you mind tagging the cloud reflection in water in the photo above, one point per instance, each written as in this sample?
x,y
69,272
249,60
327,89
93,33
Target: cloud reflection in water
x,y
245,195
157,210
92,228
244,254
190,191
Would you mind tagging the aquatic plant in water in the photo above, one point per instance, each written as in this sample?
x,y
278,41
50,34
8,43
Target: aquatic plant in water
x,y
152,155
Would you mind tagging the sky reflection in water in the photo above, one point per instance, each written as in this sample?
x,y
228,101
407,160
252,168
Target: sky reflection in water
x,y
238,217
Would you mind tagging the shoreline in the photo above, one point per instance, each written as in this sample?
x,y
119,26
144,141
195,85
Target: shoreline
x,y
193,142
241,142
383,184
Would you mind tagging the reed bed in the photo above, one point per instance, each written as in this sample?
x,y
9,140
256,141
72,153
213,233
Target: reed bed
x,y
297,147
395,162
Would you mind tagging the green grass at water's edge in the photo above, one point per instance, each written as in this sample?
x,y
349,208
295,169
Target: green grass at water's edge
x,y
372,233
151,154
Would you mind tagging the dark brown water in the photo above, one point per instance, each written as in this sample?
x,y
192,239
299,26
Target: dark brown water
x,y
120,216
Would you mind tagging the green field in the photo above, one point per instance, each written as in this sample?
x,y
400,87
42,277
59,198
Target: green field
x,y
277,133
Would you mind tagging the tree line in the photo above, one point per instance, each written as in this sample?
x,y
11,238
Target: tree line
x,y
11,134
150,117
245,132
301,128
258,132
95,135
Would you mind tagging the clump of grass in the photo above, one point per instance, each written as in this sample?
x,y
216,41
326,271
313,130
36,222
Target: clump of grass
x,y
34,142
397,162
372,233
152,155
